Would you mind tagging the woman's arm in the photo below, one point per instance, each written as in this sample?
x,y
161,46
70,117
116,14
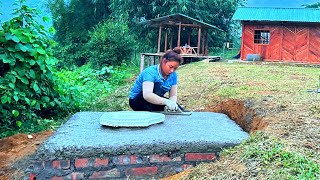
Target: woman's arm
x,y
148,95
173,94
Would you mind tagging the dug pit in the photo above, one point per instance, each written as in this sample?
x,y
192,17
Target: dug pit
x,y
242,113
82,148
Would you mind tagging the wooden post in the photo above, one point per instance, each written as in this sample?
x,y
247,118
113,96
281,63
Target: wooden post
x,y
189,37
166,41
141,62
171,39
179,31
242,44
207,48
203,38
148,61
159,38
199,39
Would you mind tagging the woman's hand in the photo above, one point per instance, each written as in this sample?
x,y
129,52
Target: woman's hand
x,y
171,105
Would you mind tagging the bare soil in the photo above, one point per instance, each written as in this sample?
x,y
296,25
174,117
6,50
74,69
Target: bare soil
x,y
18,147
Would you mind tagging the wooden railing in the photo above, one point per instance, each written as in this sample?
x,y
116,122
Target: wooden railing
x,y
188,50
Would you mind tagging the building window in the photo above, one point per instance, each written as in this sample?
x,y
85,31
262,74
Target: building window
x,y
262,37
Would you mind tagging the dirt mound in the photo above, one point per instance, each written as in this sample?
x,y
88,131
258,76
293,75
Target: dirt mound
x,y
18,146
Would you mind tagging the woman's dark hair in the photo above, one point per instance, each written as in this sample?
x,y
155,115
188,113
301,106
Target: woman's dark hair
x,y
174,55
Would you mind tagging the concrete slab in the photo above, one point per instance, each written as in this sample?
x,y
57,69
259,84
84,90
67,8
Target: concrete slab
x,y
131,118
83,136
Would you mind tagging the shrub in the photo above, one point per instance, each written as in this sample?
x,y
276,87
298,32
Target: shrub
x,y
27,83
110,44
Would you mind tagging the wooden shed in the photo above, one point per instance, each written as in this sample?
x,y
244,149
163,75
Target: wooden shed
x,y
280,34
171,28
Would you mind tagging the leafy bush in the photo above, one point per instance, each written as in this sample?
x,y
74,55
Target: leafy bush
x,y
110,44
27,83
90,85
73,53
86,84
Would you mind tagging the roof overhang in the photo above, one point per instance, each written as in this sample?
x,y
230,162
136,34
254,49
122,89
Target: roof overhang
x,y
177,19
268,14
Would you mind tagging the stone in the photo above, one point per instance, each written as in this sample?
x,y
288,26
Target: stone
x,y
131,118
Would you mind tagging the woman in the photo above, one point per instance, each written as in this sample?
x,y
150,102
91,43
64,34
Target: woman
x,y
148,91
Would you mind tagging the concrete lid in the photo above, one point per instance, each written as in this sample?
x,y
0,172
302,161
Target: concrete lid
x,y
131,118
83,136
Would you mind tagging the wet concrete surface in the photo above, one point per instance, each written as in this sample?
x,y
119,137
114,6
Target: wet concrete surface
x,y
83,136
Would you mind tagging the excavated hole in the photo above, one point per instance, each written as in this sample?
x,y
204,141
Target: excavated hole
x,y
242,114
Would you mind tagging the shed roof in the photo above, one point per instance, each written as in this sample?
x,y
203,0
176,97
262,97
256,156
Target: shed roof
x,y
277,14
175,19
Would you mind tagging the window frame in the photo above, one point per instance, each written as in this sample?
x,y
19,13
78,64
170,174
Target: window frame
x,y
261,37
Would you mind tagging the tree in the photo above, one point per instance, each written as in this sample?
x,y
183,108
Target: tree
x,y
73,20
110,44
314,5
215,12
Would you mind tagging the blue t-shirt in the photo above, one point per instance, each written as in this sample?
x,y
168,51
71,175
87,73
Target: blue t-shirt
x,y
153,74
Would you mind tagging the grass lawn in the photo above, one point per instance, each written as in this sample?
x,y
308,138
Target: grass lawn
x,y
288,147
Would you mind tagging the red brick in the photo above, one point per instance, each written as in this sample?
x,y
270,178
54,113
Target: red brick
x,y
163,158
142,171
32,176
125,160
101,162
56,164
106,174
200,156
133,159
56,178
75,176
81,163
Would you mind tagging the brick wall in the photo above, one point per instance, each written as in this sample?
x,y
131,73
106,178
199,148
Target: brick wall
x,y
122,166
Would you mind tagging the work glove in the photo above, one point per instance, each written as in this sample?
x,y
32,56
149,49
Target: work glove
x,y
171,105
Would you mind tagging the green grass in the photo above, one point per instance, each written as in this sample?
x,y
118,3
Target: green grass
x,y
264,157
280,93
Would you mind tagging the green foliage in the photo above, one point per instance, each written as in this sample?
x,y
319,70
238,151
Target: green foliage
x,y
89,85
270,153
215,12
27,82
110,44
314,5
72,54
73,20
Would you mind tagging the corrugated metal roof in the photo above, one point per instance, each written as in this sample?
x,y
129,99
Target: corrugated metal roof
x,y
277,14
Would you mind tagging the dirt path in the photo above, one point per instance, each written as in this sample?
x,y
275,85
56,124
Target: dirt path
x,y
15,148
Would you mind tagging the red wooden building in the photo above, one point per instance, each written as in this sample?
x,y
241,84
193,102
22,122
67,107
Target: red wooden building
x,y
280,34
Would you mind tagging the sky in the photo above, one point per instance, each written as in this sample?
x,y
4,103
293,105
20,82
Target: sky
x,y
6,5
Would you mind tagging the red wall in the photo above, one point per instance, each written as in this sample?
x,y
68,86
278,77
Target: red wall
x,y
288,42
